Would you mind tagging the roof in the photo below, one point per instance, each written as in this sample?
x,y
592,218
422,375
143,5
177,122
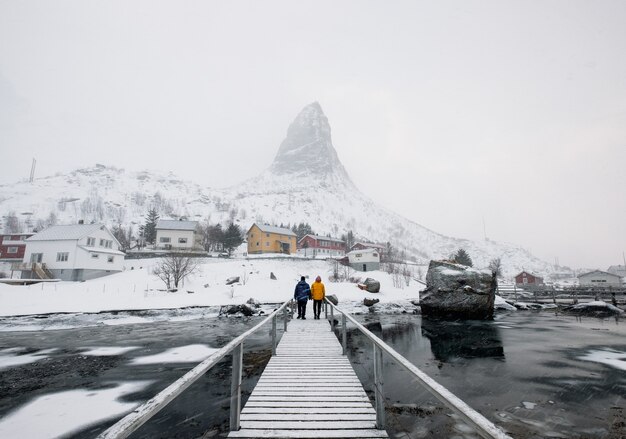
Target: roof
x,y
324,238
176,225
598,271
529,273
273,229
365,250
369,244
67,232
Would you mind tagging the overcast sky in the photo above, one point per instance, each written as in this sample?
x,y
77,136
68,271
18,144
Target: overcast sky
x,y
445,112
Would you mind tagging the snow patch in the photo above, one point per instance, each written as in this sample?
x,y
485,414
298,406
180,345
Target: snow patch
x,y
194,353
12,357
609,357
108,351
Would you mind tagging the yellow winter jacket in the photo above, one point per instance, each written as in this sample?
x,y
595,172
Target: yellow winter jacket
x,y
318,292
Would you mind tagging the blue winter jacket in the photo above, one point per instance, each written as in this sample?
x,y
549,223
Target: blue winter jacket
x,y
302,292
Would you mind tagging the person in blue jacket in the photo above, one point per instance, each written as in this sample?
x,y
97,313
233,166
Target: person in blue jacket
x,y
302,295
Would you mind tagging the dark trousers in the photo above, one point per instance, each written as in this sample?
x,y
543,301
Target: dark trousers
x,y
317,307
302,307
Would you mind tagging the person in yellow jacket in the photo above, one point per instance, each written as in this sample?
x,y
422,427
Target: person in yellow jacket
x,y
318,292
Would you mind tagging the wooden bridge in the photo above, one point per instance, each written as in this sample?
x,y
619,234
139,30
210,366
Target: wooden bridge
x,y
307,387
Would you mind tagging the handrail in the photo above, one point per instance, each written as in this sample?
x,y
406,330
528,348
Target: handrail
x,y
483,426
131,422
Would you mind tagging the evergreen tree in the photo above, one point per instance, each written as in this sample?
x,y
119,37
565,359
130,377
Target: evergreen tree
x,y
348,238
232,237
149,229
462,257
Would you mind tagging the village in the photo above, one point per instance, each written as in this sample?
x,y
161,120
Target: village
x,y
80,252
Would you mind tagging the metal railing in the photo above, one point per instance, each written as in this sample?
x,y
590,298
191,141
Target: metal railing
x,y
482,425
131,422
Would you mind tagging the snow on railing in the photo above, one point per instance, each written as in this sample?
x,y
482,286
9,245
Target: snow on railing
x,y
131,422
482,425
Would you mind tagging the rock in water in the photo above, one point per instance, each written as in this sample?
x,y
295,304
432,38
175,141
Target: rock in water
x,y
272,275
333,299
370,302
232,280
455,290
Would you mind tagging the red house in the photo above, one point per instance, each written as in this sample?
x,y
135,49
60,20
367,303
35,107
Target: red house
x,y
12,246
527,279
314,245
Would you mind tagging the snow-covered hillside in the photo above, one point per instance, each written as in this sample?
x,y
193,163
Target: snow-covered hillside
x,y
305,183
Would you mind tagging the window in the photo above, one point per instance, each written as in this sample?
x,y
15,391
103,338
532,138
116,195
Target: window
x,y
182,240
358,255
267,243
110,259
164,239
12,250
257,244
375,255
102,243
62,256
95,256
251,235
109,244
267,234
36,257
91,242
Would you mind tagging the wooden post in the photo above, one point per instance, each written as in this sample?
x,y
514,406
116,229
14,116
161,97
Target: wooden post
x,y
332,317
344,336
274,335
285,318
235,388
326,310
378,388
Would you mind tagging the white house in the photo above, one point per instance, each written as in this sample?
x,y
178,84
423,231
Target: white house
x,y
599,278
72,252
367,259
176,235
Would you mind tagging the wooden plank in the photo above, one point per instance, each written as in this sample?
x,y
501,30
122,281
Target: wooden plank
x,y
306,410
308,434
306,425
325,399
309,404
296,417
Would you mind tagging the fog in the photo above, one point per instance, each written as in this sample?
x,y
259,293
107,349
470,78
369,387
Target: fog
x,y
480,118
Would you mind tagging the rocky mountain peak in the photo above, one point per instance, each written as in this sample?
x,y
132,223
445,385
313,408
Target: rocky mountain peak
x,y
308,147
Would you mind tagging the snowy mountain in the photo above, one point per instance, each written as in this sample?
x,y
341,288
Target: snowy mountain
x,y
305,183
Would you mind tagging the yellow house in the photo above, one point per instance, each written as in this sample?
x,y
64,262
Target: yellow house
x,y
270,239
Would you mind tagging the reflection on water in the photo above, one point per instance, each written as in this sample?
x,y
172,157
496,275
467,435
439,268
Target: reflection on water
x,y
468,339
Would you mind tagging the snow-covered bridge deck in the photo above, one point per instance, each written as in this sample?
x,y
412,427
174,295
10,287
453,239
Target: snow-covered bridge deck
x,y
308,390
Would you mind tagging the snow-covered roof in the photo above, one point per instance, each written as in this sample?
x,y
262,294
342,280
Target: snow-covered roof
x,y
598,272
369,244
66,232
176,225
273,229
365,250
322,238
108,251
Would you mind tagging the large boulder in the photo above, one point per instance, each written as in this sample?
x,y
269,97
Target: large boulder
x,y
235,309
333,299
458,291
370,302
370,285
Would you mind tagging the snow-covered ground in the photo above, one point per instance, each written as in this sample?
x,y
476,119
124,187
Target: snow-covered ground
x,y
137,288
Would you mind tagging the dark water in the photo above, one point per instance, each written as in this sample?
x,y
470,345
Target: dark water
x,y
522,371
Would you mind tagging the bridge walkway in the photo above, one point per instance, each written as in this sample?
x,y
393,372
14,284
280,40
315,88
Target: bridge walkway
x,y
308,390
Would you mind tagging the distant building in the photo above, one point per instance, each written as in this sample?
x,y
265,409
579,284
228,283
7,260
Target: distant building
x,y
599,278
177,235
365,245
263,238
72,252
526,279
618,270
314,245
13,246
367,259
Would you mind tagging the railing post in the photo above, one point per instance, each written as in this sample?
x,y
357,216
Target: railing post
x,y
344,336
332,317
378,388
285,318
235,388
274,335
326,310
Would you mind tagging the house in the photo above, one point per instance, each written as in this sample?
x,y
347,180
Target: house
x,y
12,246
617,269
599,278
263,238
367,259
72,252
177,235
526,279
365,245
314,245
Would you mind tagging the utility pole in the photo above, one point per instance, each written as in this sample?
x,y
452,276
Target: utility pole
x,y
484,228
32,170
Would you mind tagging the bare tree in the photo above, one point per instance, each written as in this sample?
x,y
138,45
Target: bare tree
x,y
174,268
12,223
495,265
